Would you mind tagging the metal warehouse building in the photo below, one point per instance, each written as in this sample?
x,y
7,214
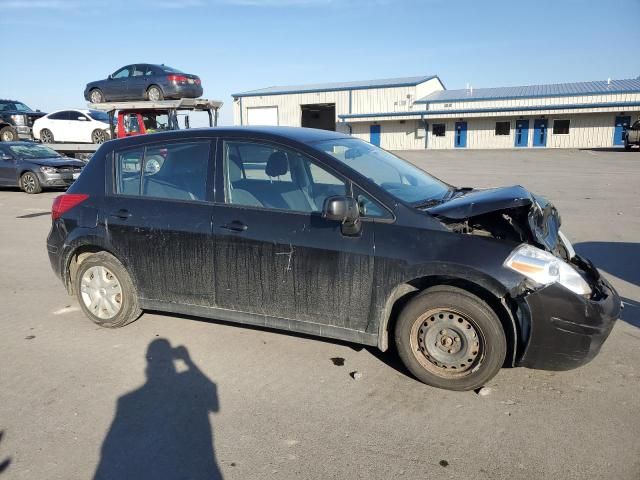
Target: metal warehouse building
x,y
418,112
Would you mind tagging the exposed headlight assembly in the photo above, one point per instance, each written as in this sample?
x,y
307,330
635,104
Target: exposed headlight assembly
x,y
545,269
48,169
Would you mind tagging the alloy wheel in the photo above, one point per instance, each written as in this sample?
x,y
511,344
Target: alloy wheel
x,y
46,136
29,184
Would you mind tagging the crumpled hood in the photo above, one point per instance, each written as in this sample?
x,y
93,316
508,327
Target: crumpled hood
x,y
543,218
56,162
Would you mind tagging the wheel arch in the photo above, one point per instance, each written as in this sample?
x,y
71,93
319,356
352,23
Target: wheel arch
x,y
77,254
497,298
154,85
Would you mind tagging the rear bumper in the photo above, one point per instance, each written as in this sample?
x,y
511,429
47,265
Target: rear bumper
x,y
182,91
568,330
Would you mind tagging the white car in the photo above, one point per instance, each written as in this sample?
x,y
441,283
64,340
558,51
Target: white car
x,y
77,126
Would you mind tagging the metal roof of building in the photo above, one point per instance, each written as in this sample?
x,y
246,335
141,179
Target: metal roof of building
x,y
535,91
337,86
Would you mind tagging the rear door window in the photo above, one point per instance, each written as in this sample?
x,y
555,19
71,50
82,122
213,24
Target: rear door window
x,y
175,171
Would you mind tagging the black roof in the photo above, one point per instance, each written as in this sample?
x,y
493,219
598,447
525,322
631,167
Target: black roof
x,y
302,135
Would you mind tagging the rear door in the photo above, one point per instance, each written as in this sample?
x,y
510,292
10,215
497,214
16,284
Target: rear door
x,y
159,218
58,123
274,253
138,82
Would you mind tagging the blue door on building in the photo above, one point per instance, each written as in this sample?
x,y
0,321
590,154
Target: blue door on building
x,y
540,132
374,135
622,123
461,135
522,133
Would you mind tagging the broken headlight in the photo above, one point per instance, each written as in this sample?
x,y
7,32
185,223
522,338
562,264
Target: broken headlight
x,y
545,269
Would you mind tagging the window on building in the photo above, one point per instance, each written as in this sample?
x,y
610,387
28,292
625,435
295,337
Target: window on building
x,y
561,127
439,129
503,128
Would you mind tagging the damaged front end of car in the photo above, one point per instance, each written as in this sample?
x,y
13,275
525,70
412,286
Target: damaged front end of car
x,y
564,307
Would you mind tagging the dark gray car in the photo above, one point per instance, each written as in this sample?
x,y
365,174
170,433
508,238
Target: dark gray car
x,y
144,81
33,167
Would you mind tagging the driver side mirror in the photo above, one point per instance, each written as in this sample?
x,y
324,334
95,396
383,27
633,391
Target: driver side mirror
x,y
82,119
344,210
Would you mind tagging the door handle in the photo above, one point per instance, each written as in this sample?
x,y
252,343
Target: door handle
x,y
122,214
235,226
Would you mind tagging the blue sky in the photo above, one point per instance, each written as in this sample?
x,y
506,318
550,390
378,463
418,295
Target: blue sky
x,y
56,46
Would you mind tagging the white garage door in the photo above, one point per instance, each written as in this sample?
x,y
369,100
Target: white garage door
x,y
262,116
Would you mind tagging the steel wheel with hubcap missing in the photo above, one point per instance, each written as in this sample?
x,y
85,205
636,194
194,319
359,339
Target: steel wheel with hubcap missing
x,y
101,292
450,338
30,183
446,343
105,291
46,136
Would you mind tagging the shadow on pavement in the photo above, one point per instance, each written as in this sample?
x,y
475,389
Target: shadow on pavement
x,y
162,430
4,464
620,259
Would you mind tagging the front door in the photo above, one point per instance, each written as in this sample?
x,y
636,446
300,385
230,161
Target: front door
x,y
159,219
274,253
115,87
622,123
374,135
461,135
540,132
522,133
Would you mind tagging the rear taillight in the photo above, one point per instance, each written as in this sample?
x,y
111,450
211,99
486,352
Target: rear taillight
x,y
197,80
177,78
64,203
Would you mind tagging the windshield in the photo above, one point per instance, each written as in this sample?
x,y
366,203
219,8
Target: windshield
x,y
99,116
14,106
33,151
391,173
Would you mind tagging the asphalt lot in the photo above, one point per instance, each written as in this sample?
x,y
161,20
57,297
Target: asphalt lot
x,y
263,404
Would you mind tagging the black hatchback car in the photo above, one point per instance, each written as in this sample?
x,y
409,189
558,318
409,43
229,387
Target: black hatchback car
x,y
32,167
321,233
144,81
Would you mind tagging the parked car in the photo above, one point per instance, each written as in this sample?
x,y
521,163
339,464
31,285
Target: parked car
x,y
632,135
77,126
144,82
317,232
16,120
32,167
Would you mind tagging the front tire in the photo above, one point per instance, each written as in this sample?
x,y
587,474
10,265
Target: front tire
x,y
449,338
8,134
46,136
106,292
96,96
154,94
29,183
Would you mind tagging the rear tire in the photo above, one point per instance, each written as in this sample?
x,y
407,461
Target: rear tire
x,y
8,134
106,292
96,96
449,338
98,136
154,94
29,183
46,136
